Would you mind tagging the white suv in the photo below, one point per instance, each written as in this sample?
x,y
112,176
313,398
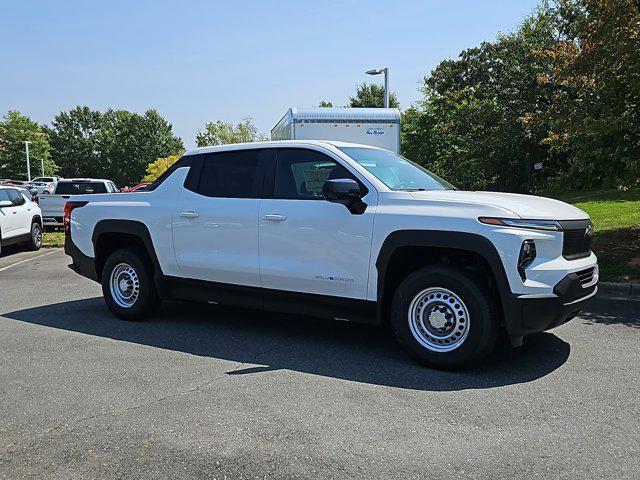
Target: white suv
x,y
20,218
344,231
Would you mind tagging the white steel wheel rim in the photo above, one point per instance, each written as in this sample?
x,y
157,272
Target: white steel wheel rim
x,y
124,285
36,235
438,319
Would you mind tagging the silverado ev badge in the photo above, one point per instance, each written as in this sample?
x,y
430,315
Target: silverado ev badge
x,y
335,279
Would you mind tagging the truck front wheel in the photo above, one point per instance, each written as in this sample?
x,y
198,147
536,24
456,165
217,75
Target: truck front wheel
x,y
127,285
446,317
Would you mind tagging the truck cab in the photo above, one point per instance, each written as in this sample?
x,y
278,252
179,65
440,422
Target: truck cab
x,y
343,231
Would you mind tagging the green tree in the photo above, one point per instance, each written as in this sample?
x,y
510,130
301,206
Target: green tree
x,y
325,104
474,124
15,129
371,95
74,142
128,142
159,166
221,133
594,123
116,144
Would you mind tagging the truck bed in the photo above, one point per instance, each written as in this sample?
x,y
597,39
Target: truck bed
x,y
52,207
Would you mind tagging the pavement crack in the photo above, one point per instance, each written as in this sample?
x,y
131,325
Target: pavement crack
x,y
122,411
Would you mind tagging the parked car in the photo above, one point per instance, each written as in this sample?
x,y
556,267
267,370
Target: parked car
x,y
45,185
343,231
53,205
139,187
20,218
15,183
33,192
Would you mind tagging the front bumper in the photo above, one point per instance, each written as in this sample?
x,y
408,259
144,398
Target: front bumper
x,y
527,314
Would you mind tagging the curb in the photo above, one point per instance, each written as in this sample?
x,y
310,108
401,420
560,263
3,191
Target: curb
x,y
622,291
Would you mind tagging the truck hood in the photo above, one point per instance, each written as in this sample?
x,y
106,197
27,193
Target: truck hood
x,y
524,206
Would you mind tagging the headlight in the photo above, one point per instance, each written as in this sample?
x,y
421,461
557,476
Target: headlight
x,y
526,258
549,225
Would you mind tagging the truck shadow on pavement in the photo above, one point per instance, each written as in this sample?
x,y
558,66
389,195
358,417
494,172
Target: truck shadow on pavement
x,y
263,341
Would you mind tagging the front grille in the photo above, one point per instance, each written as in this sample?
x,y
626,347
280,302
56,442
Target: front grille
x,y
576,239
586,276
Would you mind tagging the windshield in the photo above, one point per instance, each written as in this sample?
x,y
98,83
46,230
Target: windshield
x,y
396,172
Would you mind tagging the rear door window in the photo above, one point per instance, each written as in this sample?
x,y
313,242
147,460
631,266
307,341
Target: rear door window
x,y
233,174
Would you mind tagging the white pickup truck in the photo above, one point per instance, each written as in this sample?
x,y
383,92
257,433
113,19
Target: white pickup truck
x,y
344,231
52,205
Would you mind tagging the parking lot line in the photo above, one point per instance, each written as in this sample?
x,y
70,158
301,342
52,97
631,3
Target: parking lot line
x,y
25,261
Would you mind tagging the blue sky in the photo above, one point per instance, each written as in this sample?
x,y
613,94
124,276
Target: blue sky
x,y
199,61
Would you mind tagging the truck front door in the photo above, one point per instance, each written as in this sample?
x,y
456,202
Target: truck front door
x,y
308,244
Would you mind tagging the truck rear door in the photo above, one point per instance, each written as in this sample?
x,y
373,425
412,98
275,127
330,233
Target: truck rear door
x,y
214,225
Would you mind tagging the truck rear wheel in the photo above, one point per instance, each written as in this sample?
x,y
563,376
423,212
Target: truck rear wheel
x,y
127,285
445,317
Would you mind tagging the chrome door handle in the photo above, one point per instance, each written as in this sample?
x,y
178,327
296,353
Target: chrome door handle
x,y
275,217
189,214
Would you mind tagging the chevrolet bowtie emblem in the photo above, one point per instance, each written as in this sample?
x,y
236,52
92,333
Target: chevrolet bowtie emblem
x,y
589,231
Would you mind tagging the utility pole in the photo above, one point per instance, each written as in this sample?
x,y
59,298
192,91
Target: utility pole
x,y
26,145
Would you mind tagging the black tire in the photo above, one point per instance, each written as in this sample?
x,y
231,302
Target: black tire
x,y
147,300
480,331
36,237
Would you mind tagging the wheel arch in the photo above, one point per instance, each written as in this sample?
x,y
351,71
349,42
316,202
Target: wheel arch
x,y
110,235
429,247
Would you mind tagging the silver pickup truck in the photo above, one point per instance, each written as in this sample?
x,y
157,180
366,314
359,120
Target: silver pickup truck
x,y
53,205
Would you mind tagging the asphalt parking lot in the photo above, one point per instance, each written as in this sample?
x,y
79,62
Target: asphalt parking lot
x,y
210,392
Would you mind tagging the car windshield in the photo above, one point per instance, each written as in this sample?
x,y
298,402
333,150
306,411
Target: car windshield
x,y
396,172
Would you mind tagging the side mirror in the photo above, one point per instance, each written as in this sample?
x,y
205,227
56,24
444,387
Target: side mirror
x,y
6,203
346,192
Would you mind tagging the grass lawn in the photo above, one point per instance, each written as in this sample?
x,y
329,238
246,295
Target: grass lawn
x,y
616,218
53,239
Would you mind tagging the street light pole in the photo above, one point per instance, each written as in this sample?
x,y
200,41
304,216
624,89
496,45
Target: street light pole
x,y
42,165
26,145
386,87
378,71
